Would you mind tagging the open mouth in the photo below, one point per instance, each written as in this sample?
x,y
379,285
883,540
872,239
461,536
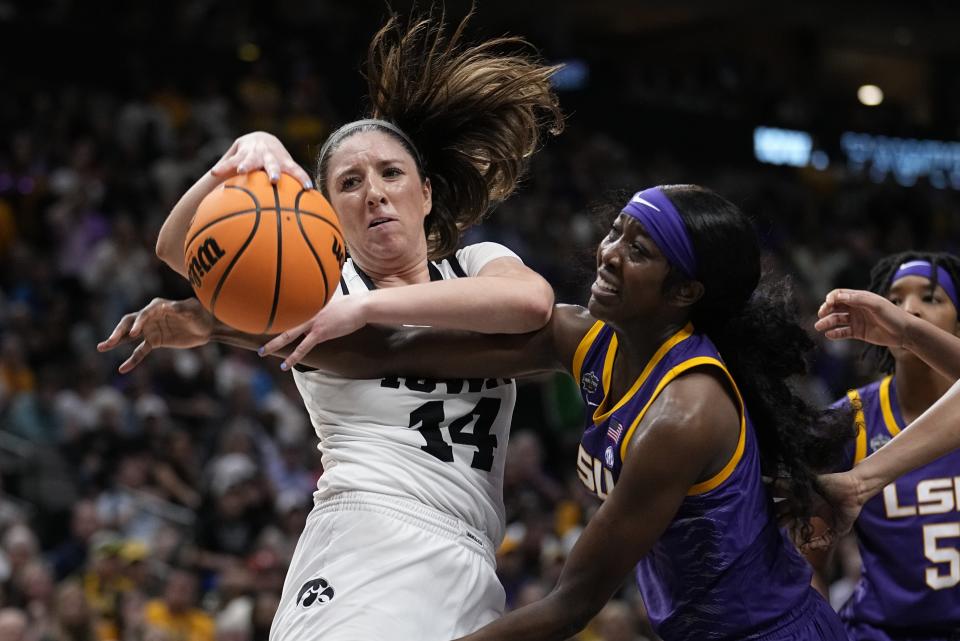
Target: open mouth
x,y
604,285
376,222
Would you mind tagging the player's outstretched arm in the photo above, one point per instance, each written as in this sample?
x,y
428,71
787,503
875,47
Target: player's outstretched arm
x,y
506,297
251,152
865,316
178,324
372,352
936,432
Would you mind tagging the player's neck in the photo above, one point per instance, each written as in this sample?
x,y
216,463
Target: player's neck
x,y
918,387
398,275
635,348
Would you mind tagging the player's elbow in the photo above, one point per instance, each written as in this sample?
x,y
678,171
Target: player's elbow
x,y
170,254
163,248
537,306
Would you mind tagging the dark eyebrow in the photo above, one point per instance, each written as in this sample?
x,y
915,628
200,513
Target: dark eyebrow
x,y
380,163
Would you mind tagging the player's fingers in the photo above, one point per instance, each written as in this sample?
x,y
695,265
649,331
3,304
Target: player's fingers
x,y
839,333
837,319
143,317
820,542
227,165
120,334
136,357
298,354
858,298
271,166
249,161
283,339
295,170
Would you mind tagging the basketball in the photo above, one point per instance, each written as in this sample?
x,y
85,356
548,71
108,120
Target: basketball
x,y
263,258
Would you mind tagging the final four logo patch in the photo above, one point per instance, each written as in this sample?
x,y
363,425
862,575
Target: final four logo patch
x,y
316,590
878,441
590,382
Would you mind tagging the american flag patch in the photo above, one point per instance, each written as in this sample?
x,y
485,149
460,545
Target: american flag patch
x,y
614,431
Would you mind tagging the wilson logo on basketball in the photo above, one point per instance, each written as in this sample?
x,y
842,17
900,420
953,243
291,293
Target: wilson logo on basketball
x,y
337,251
203,261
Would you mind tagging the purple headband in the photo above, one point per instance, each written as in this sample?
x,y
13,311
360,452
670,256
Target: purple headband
x,y
925,268
660,218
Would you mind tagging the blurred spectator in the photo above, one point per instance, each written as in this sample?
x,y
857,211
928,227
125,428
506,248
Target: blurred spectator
x,y
73,619
16,376
526,485
177,467
13,625
10,511
232,520
176,613
19,548
105,583
616,622
70,556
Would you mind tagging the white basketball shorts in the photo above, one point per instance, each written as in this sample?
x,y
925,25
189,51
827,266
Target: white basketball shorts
x,y
372,567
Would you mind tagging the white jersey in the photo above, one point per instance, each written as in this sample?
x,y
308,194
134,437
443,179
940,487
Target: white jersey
x,y
439,442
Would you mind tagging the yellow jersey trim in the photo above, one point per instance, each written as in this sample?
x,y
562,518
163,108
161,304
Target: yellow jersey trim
x,y
601,414
858,419
717,479
583,348
887,408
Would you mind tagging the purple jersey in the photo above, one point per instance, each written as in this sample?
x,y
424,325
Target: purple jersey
x,y
722,569
909,535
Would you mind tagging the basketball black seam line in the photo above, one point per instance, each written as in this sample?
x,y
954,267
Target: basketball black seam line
x,y
252,211
236,257
306,239
276,285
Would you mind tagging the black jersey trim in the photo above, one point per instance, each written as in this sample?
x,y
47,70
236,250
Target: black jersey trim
x,y
364,277
456,267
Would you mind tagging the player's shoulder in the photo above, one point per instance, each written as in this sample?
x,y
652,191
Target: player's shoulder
x,y
472,258
574,331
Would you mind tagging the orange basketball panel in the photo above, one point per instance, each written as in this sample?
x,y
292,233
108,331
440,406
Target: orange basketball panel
x,y
225,200
303,291
245,298
212,250
328,244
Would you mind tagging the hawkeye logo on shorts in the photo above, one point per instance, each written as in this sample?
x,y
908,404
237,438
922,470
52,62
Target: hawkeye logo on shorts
x,y
316,590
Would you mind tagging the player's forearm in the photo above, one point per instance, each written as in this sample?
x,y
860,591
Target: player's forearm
x,y
359,355
486,304
554,618
376,351
935,433
173,233
937,348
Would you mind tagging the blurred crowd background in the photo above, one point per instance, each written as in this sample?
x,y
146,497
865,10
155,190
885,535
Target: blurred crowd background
x,y
164,505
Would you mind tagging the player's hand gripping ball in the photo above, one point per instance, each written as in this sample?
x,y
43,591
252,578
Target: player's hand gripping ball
x,y
263,258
